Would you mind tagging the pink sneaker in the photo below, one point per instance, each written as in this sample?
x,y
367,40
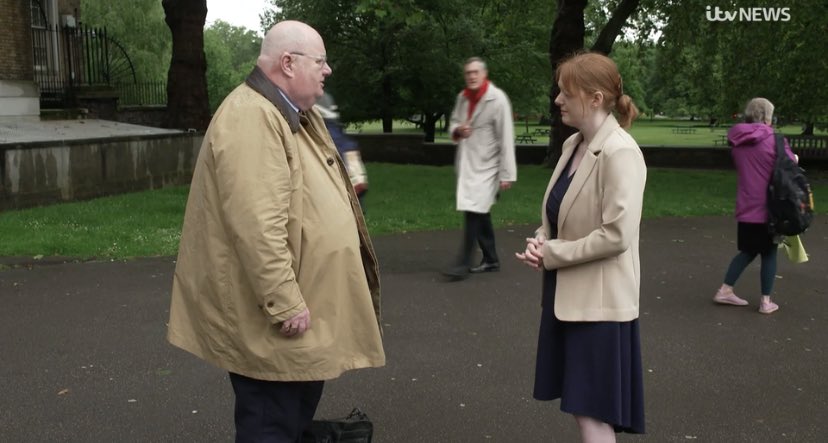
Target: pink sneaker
x,y
728,298
768,308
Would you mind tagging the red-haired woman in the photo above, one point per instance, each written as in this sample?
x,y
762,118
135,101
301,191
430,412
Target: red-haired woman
x,y
587,247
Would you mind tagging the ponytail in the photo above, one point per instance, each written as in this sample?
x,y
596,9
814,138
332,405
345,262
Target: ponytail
x,y
627,111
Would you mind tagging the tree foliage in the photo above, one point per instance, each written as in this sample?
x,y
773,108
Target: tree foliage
x,y
231,53
404,58
138,25
714,67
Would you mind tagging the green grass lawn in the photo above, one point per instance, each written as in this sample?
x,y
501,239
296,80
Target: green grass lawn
x,y
647,132
401,198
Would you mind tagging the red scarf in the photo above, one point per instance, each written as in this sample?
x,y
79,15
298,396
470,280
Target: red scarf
x,y
474,96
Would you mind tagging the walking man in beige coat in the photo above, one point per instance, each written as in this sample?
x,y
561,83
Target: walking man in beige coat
x,y
482,127
276,280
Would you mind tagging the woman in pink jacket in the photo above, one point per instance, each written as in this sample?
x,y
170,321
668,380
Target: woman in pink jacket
x,y
754,153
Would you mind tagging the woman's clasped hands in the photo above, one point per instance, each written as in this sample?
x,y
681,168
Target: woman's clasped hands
x,y
533,255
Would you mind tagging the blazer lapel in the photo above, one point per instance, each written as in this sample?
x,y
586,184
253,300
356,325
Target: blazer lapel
x,y
584,170
566,153
587,165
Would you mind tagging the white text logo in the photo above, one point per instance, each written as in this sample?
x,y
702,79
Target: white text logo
x,y
715,14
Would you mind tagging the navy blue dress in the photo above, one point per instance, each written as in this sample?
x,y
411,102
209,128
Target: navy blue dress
x,y
593,367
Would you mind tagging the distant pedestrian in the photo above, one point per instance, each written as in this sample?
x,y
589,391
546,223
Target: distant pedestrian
x,y
348,147
753,147
589,347
276,280
482,127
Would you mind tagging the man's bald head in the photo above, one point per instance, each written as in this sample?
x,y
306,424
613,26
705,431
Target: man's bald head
x,y
293,57
287,36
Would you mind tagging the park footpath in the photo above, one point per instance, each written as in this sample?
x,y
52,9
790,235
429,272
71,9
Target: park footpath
x,y
84,358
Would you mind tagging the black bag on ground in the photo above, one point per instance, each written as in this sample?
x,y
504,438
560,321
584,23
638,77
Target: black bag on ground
x,y
355,428
790,202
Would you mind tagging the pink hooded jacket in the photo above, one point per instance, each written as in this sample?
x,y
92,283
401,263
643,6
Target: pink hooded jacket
x,y
754,153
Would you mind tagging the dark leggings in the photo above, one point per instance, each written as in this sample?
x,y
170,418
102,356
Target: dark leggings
x,y
766,275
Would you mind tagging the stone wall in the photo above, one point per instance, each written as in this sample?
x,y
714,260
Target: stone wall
x,y
49,172
16,41
153,116
19,95
411,149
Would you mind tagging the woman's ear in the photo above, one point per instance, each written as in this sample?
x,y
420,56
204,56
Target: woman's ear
x,y
597,99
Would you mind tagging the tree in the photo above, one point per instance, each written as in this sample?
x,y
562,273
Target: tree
x,y
231,53
138,25
187,103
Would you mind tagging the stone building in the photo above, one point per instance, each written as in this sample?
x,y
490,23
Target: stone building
x,y
29,51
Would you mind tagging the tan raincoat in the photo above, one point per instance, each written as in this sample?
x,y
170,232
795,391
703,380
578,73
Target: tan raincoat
x,y
273,226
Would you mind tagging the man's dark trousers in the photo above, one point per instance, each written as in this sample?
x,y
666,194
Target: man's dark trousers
x,y
479,231
273,411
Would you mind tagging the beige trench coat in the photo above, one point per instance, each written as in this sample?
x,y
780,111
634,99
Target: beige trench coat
x,y
597,252
272,226
487,157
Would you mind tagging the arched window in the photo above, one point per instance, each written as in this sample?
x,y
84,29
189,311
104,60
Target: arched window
x,y
44,35
39,14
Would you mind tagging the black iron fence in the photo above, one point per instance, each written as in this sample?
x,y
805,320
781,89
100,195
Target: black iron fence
x,y
69,58
142,94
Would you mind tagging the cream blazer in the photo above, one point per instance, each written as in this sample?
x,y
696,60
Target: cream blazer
x,y
596,252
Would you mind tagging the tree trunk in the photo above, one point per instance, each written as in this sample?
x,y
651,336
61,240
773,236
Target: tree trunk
x,y
623,11
808,128
187,104
387,109
430,126
567,37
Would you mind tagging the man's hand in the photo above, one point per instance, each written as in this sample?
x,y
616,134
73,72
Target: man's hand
x,y
505,185
298,324
463,131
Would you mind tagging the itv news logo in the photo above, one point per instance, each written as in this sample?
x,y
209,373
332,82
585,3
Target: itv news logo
x,y
716,14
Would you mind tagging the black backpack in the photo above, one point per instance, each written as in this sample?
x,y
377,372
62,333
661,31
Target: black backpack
x,y
790,202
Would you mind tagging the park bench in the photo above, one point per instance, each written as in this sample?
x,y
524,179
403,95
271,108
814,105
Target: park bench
x,y
809,146
542,132
806,146
684,130
524,138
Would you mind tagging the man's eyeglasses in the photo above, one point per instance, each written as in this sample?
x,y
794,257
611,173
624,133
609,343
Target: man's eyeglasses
x,y
318,59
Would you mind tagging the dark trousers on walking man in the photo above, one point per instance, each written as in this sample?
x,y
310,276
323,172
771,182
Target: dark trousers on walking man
x,y
478,231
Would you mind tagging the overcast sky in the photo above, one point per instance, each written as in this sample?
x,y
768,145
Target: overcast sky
x,y
237,12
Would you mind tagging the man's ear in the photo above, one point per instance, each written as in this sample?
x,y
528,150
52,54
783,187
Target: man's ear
x,y
285,64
